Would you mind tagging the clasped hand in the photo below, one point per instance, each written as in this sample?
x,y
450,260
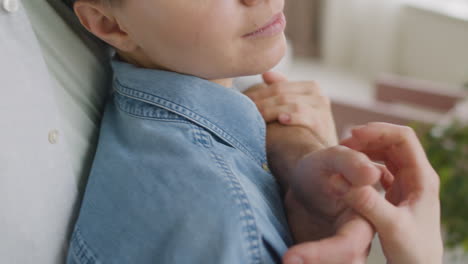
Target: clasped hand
x,y
328,186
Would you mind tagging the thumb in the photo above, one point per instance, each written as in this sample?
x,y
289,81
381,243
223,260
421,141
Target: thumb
x,y
373,206
274,77
350,244
323,251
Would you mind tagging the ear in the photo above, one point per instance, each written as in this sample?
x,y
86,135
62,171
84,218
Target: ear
x,y
100,21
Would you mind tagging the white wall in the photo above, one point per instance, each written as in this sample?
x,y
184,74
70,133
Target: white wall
x,y
412,37
433,46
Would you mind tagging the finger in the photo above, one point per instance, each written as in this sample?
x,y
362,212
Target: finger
x,y
327,251
289,99
276,89
312,122
398,144
272,113
293,115
253,90
355,166
298,119
401,151
272,77
373,206
302,112
349,245
387,178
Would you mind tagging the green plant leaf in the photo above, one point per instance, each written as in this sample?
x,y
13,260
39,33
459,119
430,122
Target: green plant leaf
x,y
448,155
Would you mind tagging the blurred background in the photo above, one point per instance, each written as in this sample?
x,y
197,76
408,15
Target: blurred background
x,y
399,61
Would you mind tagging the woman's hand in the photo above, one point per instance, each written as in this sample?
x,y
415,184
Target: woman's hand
x,y
408,220
294,104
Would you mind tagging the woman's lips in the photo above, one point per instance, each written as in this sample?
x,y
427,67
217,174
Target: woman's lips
x,y
276,25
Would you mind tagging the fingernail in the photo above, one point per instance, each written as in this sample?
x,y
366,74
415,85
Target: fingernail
x,y
294,260
284,118
372,169
340,186
357,127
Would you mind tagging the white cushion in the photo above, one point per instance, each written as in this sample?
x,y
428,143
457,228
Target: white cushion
x,y
81,80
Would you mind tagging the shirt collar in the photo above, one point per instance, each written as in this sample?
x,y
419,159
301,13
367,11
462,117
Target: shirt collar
x,y
227,113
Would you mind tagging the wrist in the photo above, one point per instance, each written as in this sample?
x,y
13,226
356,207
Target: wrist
x,y
286,146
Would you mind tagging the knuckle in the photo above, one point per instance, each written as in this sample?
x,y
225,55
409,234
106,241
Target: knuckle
x,y
376,124
308,253
433,186
313,85
365,201
360,159
276,89
408,131
265,112
283,99
325,100
407,134
353,254
397,228
297,107
339,149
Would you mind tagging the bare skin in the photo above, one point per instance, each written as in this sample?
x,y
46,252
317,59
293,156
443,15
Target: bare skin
x,y
408,217
299,154
327,183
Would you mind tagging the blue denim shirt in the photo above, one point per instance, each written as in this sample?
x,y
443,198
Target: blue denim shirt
x,y
179,176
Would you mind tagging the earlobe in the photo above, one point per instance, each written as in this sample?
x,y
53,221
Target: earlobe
x,y
100,21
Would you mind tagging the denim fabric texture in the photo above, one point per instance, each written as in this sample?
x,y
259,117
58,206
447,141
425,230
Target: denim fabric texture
x,y
178,177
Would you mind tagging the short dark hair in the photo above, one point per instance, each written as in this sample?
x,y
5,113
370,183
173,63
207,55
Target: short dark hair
x,y
69,3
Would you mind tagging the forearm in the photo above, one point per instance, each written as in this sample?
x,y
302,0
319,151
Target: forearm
x,y
286,145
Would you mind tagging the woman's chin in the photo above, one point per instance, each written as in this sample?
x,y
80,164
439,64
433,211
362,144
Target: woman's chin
x,y
271,58
259,62
267,65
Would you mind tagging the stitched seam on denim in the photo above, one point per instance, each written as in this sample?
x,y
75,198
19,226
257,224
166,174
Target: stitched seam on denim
x,y
201,137
81,251
249,226
185,112
154,115
263,135
156,118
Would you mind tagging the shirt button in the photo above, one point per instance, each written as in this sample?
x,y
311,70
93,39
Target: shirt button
x,y
265,167
53,136
10,5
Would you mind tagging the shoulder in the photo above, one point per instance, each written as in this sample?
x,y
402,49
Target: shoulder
x,y
139,129
156,189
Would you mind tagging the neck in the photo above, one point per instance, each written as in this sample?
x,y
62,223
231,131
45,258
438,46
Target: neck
x,y
224,82
127,58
